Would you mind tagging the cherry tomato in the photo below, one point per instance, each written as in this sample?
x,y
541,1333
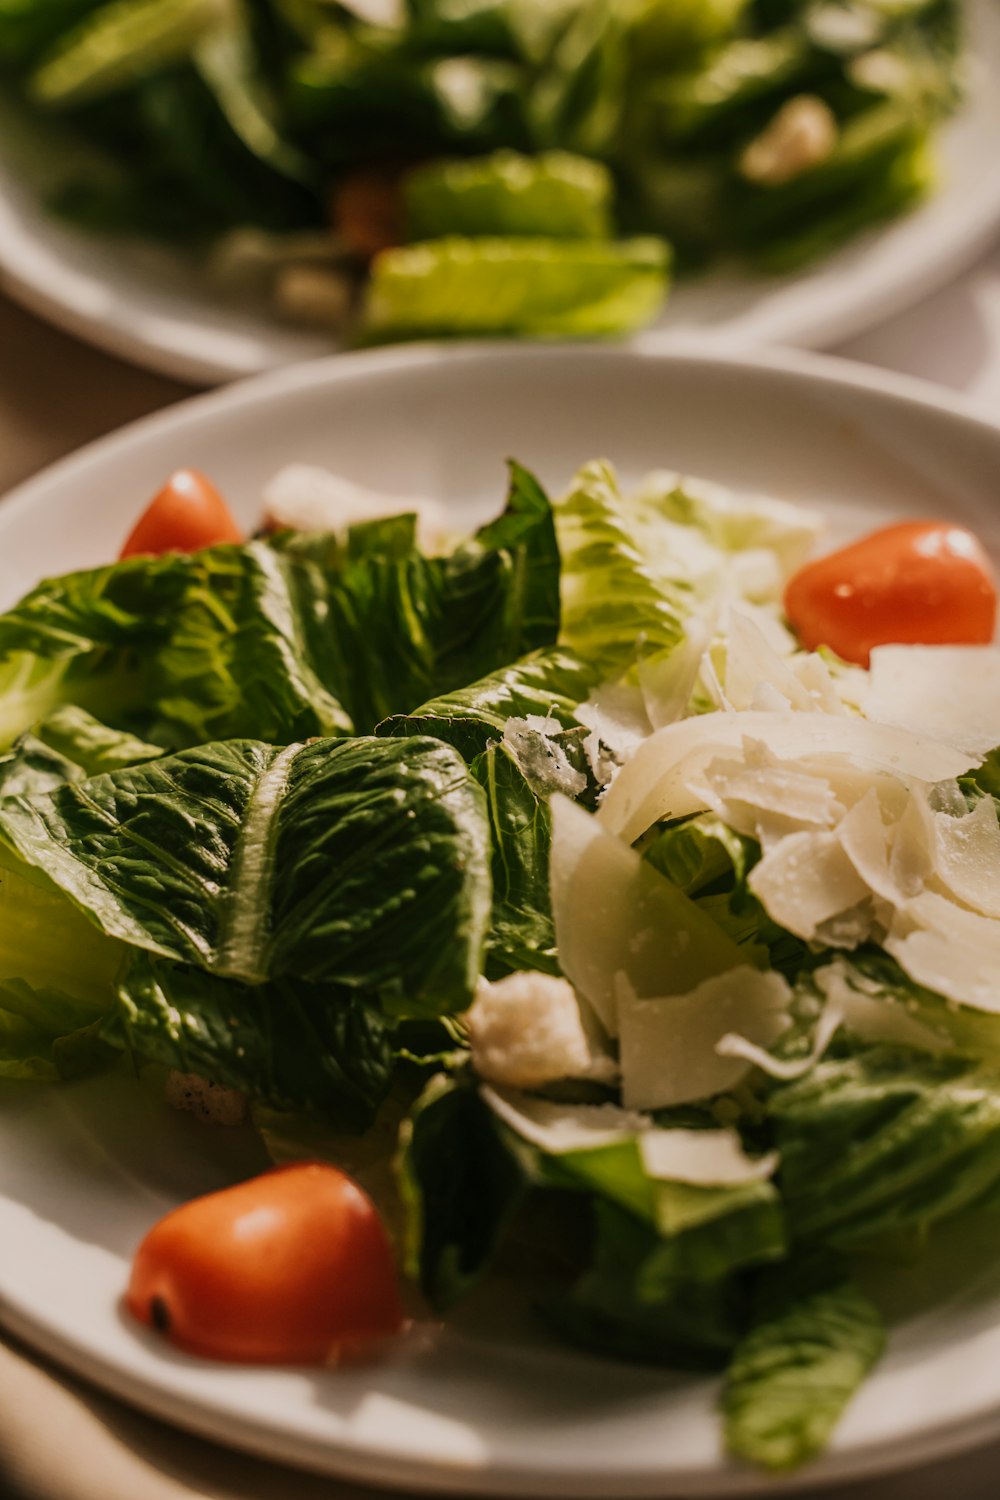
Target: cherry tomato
x,y
367,211
293,1267
925,583
188,513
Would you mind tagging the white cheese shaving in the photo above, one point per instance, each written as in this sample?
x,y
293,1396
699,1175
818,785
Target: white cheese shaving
x,y
949,950
966,856
668,1046
872,1015
805,880
752,663
614,914
950,693
559,1128
308,498
703,1158
660,779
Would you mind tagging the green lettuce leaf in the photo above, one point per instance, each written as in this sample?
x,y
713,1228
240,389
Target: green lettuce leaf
x,y
314,1048
538,287
68,746
554,195
461,1189
549,683
881,1142
815,1337
624,1307
615,602
362,863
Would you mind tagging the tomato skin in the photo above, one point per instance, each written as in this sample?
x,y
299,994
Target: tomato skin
x,y
921,583
188,513
292,1267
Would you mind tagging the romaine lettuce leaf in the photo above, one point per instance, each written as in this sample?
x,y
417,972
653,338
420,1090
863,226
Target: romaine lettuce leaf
x,y
314,1048
814,1338
461,1188
882,1141
622,1306
538,287
282,640
68,746
614,602
46,1034
362,862
555,195
549,684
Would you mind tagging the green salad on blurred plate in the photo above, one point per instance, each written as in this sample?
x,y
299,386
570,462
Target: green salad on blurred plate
x,y
484,167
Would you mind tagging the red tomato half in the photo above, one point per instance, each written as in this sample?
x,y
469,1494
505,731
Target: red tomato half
x,y
925,583
293,1267
187,514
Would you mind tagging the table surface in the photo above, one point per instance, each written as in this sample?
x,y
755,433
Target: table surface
x,y
56,394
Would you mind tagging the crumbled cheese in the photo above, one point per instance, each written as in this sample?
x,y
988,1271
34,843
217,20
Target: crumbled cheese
x,y
801,136
668,1046
525,1031
307,498
541,759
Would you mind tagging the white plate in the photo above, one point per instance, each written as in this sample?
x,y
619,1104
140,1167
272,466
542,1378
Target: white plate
x,y
144,305
84,1170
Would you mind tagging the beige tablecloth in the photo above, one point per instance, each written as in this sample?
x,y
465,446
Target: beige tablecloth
x,y
60,1440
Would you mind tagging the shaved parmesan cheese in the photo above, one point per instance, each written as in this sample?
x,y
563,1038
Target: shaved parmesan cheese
x,y
525,1030
872,1015
780,1067
949,950
751,661
614,914
616,713
660,780
734,522
805,880
766,798
559,1128
668,1046
668,679
950,693
306,498
703,1158
967,856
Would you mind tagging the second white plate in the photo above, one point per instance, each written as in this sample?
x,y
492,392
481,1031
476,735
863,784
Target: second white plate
x,y
152,308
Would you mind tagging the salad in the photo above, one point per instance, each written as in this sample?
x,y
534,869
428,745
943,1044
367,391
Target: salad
x,y
546,868
531,167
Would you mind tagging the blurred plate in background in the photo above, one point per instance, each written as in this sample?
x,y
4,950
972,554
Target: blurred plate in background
x,y
148,306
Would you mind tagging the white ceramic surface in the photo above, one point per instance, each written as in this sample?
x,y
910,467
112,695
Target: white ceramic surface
x,y
491,1407
143,304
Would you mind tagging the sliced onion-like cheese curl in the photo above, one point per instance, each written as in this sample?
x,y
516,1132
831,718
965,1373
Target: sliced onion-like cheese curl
x,y
557,1128
614,914
944,692
668,1046
660,780
703,1158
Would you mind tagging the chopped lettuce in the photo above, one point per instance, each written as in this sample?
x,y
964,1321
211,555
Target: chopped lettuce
x,y
543,288
554,195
